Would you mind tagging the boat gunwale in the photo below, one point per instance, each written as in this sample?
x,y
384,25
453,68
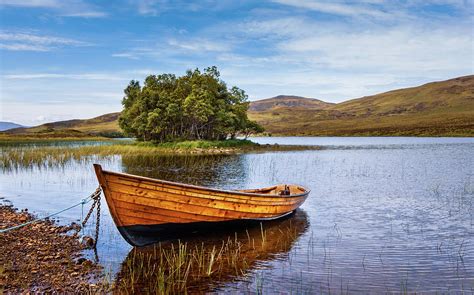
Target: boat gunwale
x,y
305,193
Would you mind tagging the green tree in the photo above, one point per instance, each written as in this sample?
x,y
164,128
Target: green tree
x,y
198,105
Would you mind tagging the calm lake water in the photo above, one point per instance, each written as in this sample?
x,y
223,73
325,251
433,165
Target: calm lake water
x,y
384,214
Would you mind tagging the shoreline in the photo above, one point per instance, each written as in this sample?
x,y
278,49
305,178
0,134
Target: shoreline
x,y
44,257
5,138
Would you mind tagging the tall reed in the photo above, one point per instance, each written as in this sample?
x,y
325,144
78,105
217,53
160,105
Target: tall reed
x,y
199,265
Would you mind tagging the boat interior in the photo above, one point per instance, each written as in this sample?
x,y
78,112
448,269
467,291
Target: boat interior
x,y
278,190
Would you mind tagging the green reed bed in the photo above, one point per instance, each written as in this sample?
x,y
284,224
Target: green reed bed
x,y
25,156
46,156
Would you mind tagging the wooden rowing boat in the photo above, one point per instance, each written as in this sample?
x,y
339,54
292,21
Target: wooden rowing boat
x,y
147,210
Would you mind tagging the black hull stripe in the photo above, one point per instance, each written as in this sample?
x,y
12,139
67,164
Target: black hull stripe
x,y
142,235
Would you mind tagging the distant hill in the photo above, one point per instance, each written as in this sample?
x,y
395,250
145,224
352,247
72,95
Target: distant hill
x,y
105,125
287,101
444,108
8,125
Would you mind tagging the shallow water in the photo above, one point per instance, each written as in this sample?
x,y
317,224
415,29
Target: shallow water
x,y
384,214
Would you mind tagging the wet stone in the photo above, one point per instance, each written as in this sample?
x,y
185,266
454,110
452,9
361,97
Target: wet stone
x,y
88,242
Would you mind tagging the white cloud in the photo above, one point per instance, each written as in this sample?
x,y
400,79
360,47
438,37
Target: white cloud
x,y
126,55
83,76
86,14
179,51
156,7
32,3
378,9
333,7
271,28
30,38
199,45
33,42
23,47
150,7
70,8
399,49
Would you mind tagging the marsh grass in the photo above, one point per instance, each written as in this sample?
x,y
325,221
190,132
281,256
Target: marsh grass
x,y
199,265
15,156
47,156
203,144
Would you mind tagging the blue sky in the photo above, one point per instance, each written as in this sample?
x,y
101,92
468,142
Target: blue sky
x,y
65,59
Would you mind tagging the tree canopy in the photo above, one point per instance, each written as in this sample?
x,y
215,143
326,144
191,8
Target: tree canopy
x,y
197,105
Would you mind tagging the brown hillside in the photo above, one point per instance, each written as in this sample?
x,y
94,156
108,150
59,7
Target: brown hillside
x,y
457,92
105,125
443,108
288,101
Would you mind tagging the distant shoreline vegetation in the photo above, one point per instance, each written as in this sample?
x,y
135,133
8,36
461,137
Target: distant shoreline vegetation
x,y
15,155
196,106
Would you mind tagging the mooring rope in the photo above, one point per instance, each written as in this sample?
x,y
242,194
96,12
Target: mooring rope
x,y
93,196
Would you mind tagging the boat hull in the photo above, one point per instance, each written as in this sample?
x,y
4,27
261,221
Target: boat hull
x,y
142,235
147,210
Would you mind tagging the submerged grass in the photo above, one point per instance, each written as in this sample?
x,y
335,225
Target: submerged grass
x,y
199,265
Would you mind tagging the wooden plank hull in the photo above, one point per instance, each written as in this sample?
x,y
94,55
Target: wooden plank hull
x,y
146,209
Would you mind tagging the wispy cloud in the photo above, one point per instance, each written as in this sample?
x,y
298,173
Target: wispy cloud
x,y
398,49
126,55
157,7
85,14
200,45
71,8
38,39
275,27
32,3
150,7
82,76
23,47
380,9
21,41
333,7
174,48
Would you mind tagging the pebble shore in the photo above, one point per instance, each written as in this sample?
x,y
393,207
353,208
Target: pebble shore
x,y
44,257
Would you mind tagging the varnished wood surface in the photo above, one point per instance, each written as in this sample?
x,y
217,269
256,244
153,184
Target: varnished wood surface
x,y
137,200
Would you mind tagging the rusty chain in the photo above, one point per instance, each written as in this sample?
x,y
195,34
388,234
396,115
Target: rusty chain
x,y
97,223
96,197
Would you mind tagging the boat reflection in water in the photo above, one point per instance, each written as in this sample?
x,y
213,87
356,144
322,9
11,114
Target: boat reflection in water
x,y
204,261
